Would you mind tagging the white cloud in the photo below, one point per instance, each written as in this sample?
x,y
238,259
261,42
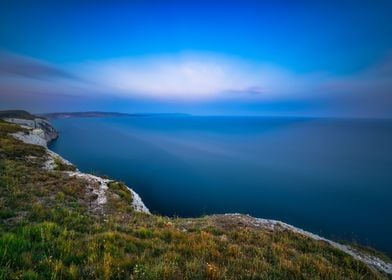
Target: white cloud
x,y
193,77
197,79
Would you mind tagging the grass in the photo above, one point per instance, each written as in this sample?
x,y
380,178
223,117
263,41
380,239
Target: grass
x,y
48,230
61,166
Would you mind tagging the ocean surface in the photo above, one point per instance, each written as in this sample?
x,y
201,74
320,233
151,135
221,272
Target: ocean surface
x,y
329,176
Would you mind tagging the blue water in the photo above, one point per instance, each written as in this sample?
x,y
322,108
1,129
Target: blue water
x,y
331,177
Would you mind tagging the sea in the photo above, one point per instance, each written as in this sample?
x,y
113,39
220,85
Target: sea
x,y
332,177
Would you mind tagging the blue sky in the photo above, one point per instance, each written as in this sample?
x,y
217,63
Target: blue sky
x,y
319,58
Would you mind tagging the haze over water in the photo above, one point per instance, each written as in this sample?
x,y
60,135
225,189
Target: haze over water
x,y
332,177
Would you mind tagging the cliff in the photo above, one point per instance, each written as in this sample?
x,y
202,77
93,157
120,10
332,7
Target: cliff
x,y
40,130
59,223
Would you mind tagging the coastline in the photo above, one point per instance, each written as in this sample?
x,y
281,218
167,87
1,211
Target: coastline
x,y
36,137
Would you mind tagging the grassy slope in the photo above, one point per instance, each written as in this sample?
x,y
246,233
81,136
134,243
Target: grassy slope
x,y
48,231
17,114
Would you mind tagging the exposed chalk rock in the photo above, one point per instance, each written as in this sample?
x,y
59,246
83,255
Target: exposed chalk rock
x,y
42,127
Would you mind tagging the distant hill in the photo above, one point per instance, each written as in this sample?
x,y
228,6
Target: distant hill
x,y
97,114
16,114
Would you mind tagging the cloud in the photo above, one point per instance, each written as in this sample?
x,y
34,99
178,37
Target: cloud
x,y
194,77
367,93
23,76
176,81
12,65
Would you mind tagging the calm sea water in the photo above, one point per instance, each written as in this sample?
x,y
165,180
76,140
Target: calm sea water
x,y
331,177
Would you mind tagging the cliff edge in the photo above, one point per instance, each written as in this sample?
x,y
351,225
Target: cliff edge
x,y
40,130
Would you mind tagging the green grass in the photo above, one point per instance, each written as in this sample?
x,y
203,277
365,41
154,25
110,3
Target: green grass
x,y
48,230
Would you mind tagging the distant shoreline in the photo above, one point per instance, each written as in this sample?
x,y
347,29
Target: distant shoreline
x,y
97,114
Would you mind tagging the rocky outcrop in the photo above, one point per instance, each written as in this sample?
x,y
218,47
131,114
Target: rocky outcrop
x,y
54,159
99,186
33,136
137,203
39,127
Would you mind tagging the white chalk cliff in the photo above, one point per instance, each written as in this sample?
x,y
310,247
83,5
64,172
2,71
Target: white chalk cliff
x,y
40,132
38,127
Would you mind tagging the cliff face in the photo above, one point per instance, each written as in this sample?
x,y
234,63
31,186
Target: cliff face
x,y
39,127
56,222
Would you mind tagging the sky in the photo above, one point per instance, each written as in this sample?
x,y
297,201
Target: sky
x,y
282,58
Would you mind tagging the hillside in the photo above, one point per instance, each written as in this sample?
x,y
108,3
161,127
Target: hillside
x,y
96,114
59,223
67,115
16,114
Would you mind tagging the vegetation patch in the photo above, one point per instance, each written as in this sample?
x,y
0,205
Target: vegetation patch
x,y
62,166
